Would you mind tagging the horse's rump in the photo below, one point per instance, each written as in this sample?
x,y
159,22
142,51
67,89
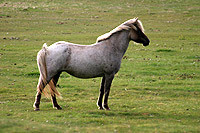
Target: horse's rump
x,y
43,83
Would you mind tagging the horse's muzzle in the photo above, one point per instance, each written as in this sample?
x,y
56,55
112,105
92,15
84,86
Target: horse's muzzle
x,y
146,42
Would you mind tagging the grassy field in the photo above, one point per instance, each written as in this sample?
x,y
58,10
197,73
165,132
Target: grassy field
x,y
156,90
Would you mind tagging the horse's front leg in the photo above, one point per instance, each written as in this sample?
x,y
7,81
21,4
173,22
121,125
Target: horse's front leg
x,y
101,93
108,82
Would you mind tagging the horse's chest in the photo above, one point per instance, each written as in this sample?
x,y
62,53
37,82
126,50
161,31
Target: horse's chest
x,y
112,67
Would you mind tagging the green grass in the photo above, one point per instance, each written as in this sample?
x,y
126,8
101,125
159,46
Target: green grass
x,y
156,90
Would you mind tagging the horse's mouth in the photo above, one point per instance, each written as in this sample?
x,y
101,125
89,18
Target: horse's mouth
x,y
145,44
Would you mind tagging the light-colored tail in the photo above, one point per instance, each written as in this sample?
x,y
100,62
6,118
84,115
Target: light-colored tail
x,y
43,84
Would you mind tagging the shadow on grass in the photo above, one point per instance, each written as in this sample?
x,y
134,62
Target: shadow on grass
x,y
165,50
142,115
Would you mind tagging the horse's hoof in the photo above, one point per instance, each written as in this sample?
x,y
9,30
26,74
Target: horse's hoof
x,y
58,108
36,109
106,107
101,108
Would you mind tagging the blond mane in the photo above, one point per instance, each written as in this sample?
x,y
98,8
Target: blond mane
x,y
132,23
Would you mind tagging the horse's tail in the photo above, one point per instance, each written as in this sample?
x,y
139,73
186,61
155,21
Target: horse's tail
x,y
43,84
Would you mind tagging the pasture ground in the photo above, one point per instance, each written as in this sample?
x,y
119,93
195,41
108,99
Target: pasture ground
x,y
156,90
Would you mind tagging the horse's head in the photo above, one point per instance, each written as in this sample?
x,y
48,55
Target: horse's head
x,y
137,33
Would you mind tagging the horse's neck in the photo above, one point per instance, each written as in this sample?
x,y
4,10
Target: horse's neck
x,y
120,41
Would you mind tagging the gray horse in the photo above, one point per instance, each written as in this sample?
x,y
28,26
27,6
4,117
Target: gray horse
x,y
102,59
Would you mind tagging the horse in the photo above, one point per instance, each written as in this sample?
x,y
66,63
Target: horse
x,y
101,59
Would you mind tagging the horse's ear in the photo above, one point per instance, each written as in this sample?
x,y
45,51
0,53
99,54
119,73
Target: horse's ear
x,y
136,19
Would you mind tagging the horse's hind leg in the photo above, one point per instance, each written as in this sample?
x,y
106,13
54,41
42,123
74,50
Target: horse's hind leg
x,y
101,93
37,101
108,82
55,104
40,87
53,96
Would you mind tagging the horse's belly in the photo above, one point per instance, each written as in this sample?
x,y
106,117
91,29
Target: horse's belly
x,y
85,71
